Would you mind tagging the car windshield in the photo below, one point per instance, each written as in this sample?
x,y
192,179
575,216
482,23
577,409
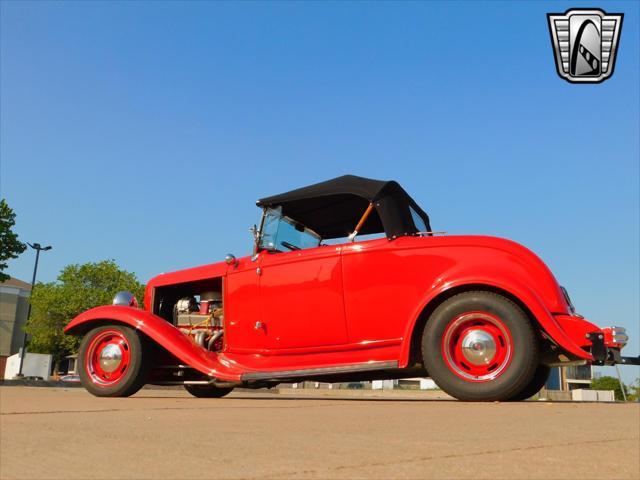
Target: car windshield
x,y
280,233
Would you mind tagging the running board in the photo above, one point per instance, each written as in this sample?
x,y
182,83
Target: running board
x,y
316,372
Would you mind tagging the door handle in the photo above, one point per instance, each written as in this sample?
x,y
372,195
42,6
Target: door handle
x,y
258,325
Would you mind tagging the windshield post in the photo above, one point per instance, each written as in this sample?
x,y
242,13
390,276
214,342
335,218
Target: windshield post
x,y
257,235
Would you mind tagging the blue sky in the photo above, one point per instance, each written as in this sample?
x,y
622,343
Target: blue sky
x,y
144,132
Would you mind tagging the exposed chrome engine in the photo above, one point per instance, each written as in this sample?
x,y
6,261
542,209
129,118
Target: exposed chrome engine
x,y
201,319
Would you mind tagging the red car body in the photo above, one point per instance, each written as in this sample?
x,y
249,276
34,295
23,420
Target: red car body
x,y
353,310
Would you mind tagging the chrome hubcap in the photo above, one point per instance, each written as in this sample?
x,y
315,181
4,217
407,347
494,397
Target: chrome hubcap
x,y
110,357
478,347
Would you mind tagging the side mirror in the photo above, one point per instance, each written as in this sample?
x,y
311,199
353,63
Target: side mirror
x,y
254,232
256,240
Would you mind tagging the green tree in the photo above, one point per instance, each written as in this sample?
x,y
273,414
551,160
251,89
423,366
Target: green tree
x,y
609,383
78,288
10,246
634,391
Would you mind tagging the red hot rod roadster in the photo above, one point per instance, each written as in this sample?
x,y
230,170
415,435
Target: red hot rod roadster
x,y
483,316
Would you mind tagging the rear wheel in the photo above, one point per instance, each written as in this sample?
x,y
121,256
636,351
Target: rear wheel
x,y
207,391
114,361
537,382
480,346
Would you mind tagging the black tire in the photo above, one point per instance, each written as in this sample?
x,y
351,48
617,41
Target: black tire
x,y
537,382
133,370
207,391
516,347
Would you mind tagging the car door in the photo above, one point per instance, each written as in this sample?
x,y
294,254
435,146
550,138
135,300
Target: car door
x,y
242,308
382,286
301,298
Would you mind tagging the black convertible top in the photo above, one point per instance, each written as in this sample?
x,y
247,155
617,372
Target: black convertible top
x,y
333,208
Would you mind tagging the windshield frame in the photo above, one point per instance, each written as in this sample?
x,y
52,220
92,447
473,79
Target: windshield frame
x,y
266,212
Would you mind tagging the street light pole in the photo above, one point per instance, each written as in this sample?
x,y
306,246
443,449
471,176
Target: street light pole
x,y
37,247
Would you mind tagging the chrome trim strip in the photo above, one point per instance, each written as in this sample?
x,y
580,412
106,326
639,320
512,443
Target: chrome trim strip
x,y
312,372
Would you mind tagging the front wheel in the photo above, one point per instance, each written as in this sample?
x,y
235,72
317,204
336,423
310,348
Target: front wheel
x,y
114,361
207,391
480,346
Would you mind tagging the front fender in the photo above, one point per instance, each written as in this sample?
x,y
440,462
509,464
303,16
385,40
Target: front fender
x,y
160,331
516,289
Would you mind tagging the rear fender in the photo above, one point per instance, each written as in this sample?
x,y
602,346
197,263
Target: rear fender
x,y
160,331
527,296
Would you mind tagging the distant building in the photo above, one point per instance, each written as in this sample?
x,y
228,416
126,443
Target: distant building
x,y
570,378
14,304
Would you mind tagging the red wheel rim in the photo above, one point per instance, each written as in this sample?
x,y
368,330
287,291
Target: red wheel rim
x,y
108,358
477,346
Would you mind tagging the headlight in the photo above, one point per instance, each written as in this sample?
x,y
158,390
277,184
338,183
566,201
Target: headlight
x,y
127,299
572,309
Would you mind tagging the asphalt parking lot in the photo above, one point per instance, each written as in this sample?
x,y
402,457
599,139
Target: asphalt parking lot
x,y
67,433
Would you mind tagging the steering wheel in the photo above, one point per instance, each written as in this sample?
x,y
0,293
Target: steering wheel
x,y
288,245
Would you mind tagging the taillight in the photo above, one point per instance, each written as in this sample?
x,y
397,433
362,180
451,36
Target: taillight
x,y
615,337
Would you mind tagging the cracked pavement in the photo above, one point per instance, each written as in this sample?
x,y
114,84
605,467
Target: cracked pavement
x,y
67,433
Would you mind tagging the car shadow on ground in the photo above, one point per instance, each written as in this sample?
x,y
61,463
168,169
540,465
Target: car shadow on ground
x,y
302,398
